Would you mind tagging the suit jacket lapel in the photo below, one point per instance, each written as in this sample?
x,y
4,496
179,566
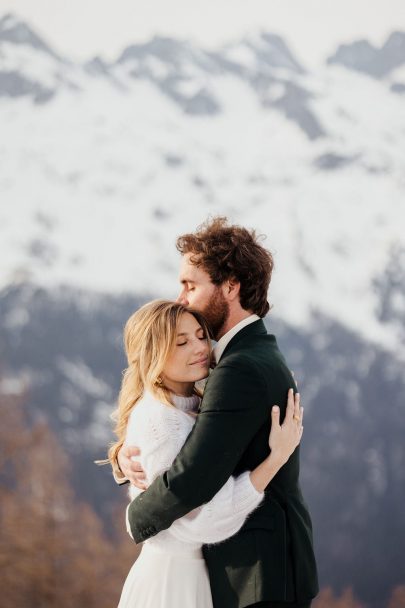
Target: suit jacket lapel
x,y
256,328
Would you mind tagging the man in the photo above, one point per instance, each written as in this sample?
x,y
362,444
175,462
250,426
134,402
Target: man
x,y
225,274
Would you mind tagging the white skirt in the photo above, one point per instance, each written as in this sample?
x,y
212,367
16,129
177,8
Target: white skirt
x,y
161,579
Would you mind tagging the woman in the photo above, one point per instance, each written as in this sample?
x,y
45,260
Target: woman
x,y
168,351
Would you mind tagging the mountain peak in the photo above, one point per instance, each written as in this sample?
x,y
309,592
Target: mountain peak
x,y
16,31
395,48
362,56
395,40
273,50
162,47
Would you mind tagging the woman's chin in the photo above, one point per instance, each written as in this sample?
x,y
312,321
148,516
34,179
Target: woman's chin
x,y
204,373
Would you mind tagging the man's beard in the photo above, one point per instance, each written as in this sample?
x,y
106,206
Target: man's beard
x,y
216,313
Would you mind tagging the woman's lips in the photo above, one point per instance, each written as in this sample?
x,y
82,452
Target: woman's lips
x,y
202,361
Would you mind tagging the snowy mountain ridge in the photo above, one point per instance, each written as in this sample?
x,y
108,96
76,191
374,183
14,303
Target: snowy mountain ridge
x,y
104,164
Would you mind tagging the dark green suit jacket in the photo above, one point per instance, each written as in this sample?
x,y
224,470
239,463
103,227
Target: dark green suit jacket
x,y
271,558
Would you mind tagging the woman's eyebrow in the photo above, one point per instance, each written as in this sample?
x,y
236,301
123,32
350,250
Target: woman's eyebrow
x,y
185,333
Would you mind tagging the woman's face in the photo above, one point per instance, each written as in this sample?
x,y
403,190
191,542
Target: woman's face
x,y
190,358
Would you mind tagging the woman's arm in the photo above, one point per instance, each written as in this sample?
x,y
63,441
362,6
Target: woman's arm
x,y
227,511
283,440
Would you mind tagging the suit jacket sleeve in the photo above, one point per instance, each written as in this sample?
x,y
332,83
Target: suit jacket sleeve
x,y
233,410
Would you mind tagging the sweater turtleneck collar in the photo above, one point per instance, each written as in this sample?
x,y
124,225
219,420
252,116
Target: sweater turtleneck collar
x,y
186,404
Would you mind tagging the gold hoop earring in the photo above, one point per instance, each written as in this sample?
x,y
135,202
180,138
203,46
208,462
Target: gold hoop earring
x,y
159,381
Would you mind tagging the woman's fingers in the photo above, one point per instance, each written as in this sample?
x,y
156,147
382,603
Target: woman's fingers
x,y
293,410
297,409
286,437
290,405
275,415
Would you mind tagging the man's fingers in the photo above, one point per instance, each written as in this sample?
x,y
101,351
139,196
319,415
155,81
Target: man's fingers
x,y
139,485
138,474
138,479
132,450
136,466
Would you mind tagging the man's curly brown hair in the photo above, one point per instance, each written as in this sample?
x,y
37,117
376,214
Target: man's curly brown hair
x,y
226,252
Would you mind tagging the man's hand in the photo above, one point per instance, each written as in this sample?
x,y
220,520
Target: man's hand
x,y
131,468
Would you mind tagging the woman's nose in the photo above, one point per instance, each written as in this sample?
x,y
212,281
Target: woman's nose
x,y
200,347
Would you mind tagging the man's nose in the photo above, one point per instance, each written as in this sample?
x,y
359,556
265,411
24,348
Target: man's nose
x,y
182,299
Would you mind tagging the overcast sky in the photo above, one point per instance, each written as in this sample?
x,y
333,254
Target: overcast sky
x,y
312,28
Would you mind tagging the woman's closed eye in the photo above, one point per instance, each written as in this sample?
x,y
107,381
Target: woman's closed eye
x,y
184,343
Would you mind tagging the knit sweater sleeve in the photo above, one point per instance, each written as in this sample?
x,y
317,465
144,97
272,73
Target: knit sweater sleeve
x,y
222,516
160,432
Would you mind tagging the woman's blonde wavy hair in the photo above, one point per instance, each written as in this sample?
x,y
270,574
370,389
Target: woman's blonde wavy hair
x,y
149,337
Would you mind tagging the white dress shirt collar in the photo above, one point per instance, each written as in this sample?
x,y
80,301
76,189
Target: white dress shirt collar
x,y
226,338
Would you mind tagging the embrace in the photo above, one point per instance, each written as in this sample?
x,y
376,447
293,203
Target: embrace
x,y
213,470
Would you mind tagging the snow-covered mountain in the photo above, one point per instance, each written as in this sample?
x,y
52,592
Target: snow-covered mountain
x,y
363,56
103,164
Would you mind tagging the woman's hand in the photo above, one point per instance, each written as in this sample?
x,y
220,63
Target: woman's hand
x,y
284,438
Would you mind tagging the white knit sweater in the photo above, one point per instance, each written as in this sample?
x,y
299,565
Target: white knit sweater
x,y
160,432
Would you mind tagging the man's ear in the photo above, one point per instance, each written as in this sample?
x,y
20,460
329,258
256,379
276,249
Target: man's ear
x,y
232,289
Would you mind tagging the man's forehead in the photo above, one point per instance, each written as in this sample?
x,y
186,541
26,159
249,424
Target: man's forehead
x,y
191,272
188,274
